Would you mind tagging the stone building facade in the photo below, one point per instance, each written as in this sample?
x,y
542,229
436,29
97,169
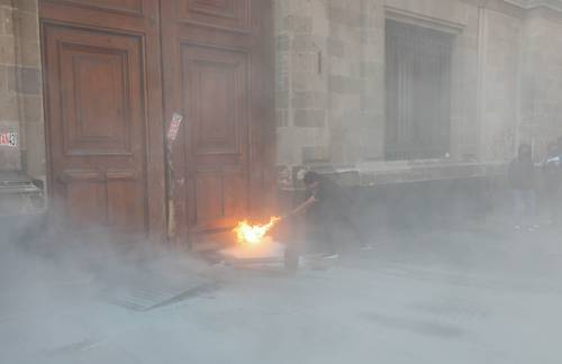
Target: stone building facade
x,y
331,109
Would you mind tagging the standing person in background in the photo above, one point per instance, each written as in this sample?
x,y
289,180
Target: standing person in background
x,y
552,168
522,180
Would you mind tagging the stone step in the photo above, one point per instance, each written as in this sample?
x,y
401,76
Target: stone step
x,y
19,195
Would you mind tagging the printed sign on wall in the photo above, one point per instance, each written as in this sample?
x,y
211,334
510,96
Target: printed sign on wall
x,y
9,139
174,126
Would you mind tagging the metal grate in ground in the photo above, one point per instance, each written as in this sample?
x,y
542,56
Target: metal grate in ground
x,y
150,291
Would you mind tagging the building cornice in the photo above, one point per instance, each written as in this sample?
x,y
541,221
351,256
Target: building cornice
x,y
521,8
533,4
409,17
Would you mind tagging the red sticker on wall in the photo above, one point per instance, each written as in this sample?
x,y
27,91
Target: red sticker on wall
x,y
9,139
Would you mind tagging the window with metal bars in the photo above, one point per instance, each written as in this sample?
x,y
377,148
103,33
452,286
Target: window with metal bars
x,y
418,90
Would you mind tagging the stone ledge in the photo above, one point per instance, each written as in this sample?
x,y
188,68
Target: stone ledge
x,y
532,4
19,196
428,171
381,173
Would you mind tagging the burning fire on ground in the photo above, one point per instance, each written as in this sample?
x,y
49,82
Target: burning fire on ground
x,y
249,234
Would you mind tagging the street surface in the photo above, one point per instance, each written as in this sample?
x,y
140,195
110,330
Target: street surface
x,y
473,295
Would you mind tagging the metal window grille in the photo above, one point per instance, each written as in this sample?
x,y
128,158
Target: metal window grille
x,y
418,89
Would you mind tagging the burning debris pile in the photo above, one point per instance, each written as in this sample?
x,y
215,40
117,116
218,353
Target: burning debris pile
x,y
254,234
254,245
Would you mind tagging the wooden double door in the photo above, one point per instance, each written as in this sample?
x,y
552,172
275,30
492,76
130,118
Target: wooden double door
x,y
115,71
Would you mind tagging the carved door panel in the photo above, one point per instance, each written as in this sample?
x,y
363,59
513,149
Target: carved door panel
x,y
102,115
216,148
216,73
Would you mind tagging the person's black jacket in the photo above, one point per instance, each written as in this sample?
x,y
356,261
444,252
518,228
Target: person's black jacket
x,y
330,196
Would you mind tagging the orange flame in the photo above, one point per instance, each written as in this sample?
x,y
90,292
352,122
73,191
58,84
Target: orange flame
x,y
253,234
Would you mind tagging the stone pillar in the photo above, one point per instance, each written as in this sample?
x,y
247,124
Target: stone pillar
x,y
10,157
372,121
541,101
330,81
301,82
499,86
20,87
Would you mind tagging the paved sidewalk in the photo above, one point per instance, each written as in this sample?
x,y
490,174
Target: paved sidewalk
x,y
476,295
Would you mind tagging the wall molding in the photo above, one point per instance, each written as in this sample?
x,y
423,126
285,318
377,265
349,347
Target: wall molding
x,y
519,8
406,16
533,4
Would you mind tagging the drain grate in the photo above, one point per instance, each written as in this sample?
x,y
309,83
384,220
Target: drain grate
x,y
156,291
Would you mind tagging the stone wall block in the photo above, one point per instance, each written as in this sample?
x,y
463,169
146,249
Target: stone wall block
x,y
309,100
282,42
6,23
335,47
282,83
282,100
24,79
3,79
33,108
282,118
315,154
343,85
36,137
307,43
27,5
8,106
305,62
30,52
310,118
7,49
26,25
302,81
297,24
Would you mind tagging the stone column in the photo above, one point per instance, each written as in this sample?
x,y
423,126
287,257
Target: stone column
x,y
372,121
10,157
20,87
541,70
330,81
301,86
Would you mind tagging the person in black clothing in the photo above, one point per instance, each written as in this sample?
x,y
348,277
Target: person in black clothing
x,y
522,181
327,210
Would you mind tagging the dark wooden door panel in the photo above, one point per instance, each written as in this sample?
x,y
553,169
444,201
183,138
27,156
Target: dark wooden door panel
x,y
97,126
125,209
208,197
100,99
215,93
235,193
215,89
86,204
219,199
127,6
215,74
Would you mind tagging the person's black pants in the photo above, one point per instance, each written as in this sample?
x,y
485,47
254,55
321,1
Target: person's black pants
x,y
325,225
